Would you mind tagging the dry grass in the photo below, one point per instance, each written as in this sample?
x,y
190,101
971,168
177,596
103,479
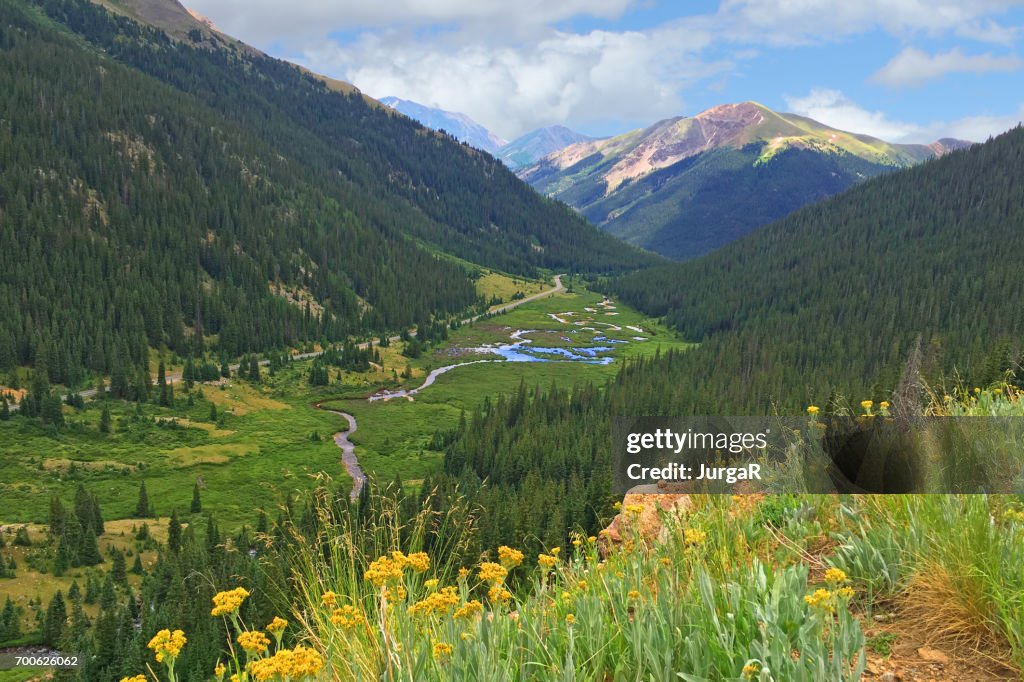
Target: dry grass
x,y
952,612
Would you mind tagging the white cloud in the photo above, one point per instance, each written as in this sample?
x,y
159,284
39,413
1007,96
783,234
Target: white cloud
x,y
912,67
783,22
833,108
585,78
266,21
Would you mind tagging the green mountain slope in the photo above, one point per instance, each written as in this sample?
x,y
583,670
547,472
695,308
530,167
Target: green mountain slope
x,y
832,299
685,186
150,188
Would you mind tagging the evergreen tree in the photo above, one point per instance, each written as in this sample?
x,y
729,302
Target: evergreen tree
x,y
197,504
174,533
142,509
118,569
55,620
105,419
5,409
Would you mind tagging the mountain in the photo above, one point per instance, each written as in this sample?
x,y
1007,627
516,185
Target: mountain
x,y
168,193
831,301
459,126
536,144
685,186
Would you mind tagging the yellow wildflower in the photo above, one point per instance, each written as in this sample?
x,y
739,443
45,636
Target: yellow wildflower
x,y
226,603
498,594
633,595
546,560
693,536
510,558
665,561
555,551
431,584
277,625
167,645
254,642
582,585
347,617
884,405
845,592
867,404
329,599
813,410
136,678
835,576
219,670
385,568
592,539
821,599
463,573
492,571
468,610
635,509
751,669
418,561
435,602
442,650
570,619
288,663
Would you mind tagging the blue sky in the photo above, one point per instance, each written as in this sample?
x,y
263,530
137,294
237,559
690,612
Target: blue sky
x,y
903,70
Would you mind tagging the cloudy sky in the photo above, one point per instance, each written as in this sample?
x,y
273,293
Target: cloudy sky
x,y
903,70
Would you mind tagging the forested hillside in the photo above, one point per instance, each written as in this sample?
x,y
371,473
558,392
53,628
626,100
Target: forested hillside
x,y
151,189
833,299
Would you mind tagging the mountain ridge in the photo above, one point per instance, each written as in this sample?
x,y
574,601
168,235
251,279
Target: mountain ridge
x,y
675,185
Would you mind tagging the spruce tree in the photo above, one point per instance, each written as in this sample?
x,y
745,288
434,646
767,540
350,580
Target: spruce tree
x,y
89,553
119,569
54,621
174,533
142,510
5,409
105,419
197,504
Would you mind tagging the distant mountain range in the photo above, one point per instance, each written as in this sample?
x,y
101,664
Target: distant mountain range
x,y
685,186
522,151
459,126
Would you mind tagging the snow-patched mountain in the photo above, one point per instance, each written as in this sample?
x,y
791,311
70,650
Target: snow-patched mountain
x,y
536,144
459,126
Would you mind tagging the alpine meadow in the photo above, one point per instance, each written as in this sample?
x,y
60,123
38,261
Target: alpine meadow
x,y
306,375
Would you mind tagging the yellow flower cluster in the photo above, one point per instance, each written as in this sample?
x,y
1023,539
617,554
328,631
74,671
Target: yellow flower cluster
x,y
821,599
693,536
510,558
384,569
835,576
751,669
498,594
826,599
633,595
329,599
468,610
166,644
136,678
1013,515
435,602
867,405
226,603
546,560
347,617
277,625
431,584
463,573
493,572
293,664
813,410
442,650
582,585
254,642
569,619
635,509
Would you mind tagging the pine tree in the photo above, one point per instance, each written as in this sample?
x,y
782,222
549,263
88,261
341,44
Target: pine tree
x,y
174,533
142,509
10,621
213,412
164,396
118,568
55,620
5,409
137,565
105,419
197,504
89,553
